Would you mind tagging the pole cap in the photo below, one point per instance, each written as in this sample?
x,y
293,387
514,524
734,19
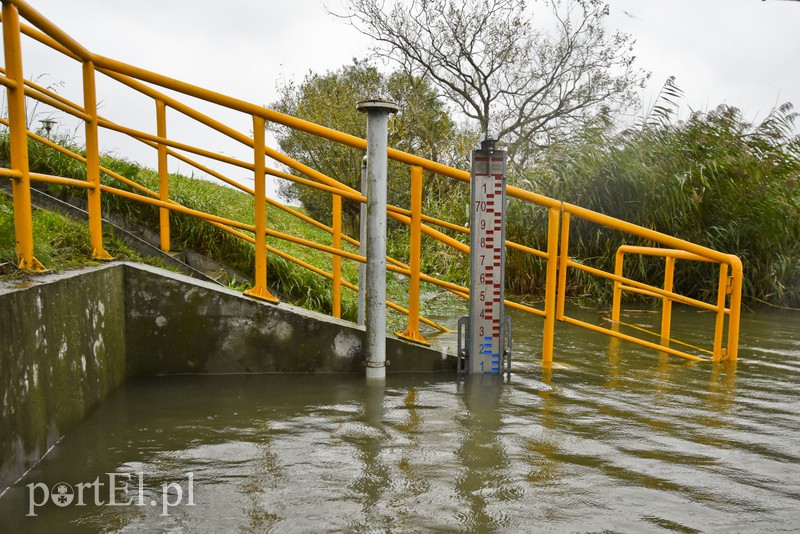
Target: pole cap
x,y
488,143
366,106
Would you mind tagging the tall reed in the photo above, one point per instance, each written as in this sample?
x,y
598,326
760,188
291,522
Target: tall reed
x,y
713,179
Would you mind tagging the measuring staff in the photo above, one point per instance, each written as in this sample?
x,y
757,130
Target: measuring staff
x,y
484,338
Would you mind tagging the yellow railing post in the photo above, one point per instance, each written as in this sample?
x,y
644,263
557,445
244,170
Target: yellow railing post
x,y
550,304
412,332
163,174
616,299
666,309
18,139
563,257
259,290
722,298
735,308
93,164
336,270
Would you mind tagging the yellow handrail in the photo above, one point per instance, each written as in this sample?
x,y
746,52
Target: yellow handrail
x,y
667,296
556,255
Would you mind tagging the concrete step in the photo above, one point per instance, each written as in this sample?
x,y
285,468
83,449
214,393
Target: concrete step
x,y
218,275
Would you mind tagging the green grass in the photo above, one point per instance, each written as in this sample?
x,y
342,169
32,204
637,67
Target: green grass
x,y
60,242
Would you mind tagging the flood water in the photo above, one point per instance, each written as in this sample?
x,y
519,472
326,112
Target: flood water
x,y
616,439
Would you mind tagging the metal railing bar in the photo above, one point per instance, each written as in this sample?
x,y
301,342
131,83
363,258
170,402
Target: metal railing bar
x,y
649,293
33,90
43,38
270,201
645,292
658,291
8,82
659,335
174,206
46,97
317,246
663,252
322,272
78,157
10,173
60,180
446,239
44,24
133,83
638,341
463,230
154,139
646,233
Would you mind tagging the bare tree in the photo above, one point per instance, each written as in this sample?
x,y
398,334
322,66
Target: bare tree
x,y
526,84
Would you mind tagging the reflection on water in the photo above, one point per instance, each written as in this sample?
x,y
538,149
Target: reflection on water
x,y
613,438
484,483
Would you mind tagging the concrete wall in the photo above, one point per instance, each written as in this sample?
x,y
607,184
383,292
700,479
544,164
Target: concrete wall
x,y
176,324
62,350
67,340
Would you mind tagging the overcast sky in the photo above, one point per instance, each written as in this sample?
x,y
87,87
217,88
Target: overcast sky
x,y
738,52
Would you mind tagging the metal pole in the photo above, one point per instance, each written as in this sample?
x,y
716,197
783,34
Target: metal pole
x,y
616,301
336,260
412,333
551,298
260,290
562,266
163,174
735,307
666,309
94,206
362,248
722,297
375,306
18,139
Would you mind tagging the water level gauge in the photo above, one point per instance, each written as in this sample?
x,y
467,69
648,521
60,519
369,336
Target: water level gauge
x,y
484,338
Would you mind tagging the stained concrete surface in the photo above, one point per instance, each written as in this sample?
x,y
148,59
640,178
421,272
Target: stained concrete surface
x,y
68,339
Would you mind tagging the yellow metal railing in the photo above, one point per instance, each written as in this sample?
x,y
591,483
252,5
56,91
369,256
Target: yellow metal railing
x,y
556,255
727,288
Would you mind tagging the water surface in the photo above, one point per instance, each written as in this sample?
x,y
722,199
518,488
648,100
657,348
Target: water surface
x,y
616,439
